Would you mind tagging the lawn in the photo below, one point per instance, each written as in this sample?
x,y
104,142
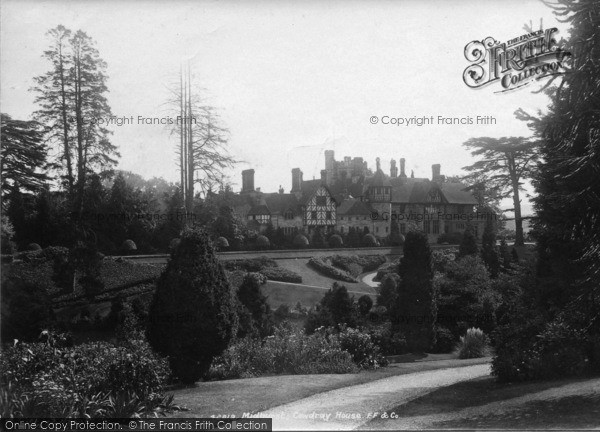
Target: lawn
x,y
288,293
443,407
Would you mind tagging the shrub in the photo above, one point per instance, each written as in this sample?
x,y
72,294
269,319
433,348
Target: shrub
x,y
390,342
416,294
468,244
364,352
385,269
58,380
335,241
281,274
249,264
251,297
369,240
444,340
193,313
221,243
262,242
328,270
128,247
365,263
365,303
473,344
387,292
33,247
300,241
286,352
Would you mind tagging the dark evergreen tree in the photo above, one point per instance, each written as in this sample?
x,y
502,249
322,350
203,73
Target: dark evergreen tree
x,y
318,239
388,291
193,313
251,297
395,237
489,251
468,245
415,312
365,303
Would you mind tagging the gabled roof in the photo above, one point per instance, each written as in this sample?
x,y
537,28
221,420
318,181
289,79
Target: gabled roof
x,y
352,207
309,188
280,203
378,180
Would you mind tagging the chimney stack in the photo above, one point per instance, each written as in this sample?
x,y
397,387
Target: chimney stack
x,y
393,169
296,180
324,176
402,166
248,180
435,172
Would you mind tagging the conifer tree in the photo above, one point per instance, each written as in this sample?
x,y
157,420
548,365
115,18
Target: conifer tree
x,y
193,313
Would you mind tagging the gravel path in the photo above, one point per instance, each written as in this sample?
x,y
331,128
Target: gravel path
x,y
350,407
433,421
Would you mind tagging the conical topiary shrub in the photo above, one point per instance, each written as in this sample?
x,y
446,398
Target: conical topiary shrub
x,y
193,313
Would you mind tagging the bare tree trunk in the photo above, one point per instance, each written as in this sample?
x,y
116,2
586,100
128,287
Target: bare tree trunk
x,y
190,197
67,151
182,150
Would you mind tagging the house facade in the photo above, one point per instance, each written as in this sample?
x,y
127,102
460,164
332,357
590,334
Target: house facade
x,y
351,196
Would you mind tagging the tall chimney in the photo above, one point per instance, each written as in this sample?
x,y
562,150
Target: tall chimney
x,y
248,180
393,169
402,165
296,180
435,172
324,176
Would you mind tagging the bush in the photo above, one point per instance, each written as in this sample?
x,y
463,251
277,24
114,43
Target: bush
x,y
473,344
328,270
300,241
468,244
390,342
358,263
286,352
445,341
335,241
221,243
128,247
58,380
262,242
364,352
281,274
255,302
193,313
249,264
369,240
365,303
33,247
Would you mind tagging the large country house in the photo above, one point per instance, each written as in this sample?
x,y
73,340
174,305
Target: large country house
x,y
349,195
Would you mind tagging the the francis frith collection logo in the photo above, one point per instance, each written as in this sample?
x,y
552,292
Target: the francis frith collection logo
x,y
515,63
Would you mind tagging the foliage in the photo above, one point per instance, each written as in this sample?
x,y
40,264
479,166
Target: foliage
x,y
360,263
286,352
466,297
473,344
444,340
489,252
263,242
324,267
300,241
52,380
505,163
250,296
23,153
387,295
335,309
415,313
365,303
281,274
335,241
369,240
193,313
390,341
468,244
362,348
249,264
441,258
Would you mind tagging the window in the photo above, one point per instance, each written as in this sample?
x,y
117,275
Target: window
x,y
460,225
387,230
328,215
436,227
342,230
313,215
376,229
365,218
321,200
289,215
402,228
341,217
427,227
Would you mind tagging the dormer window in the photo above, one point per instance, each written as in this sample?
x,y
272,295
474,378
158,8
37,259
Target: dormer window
x,y
289,215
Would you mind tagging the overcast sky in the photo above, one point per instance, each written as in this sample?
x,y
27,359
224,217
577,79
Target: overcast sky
x,y
290,80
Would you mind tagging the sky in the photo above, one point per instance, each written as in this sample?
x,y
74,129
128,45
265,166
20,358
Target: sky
x,y
288,79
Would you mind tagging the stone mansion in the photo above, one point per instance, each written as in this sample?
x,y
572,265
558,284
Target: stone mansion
x,y
349,194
